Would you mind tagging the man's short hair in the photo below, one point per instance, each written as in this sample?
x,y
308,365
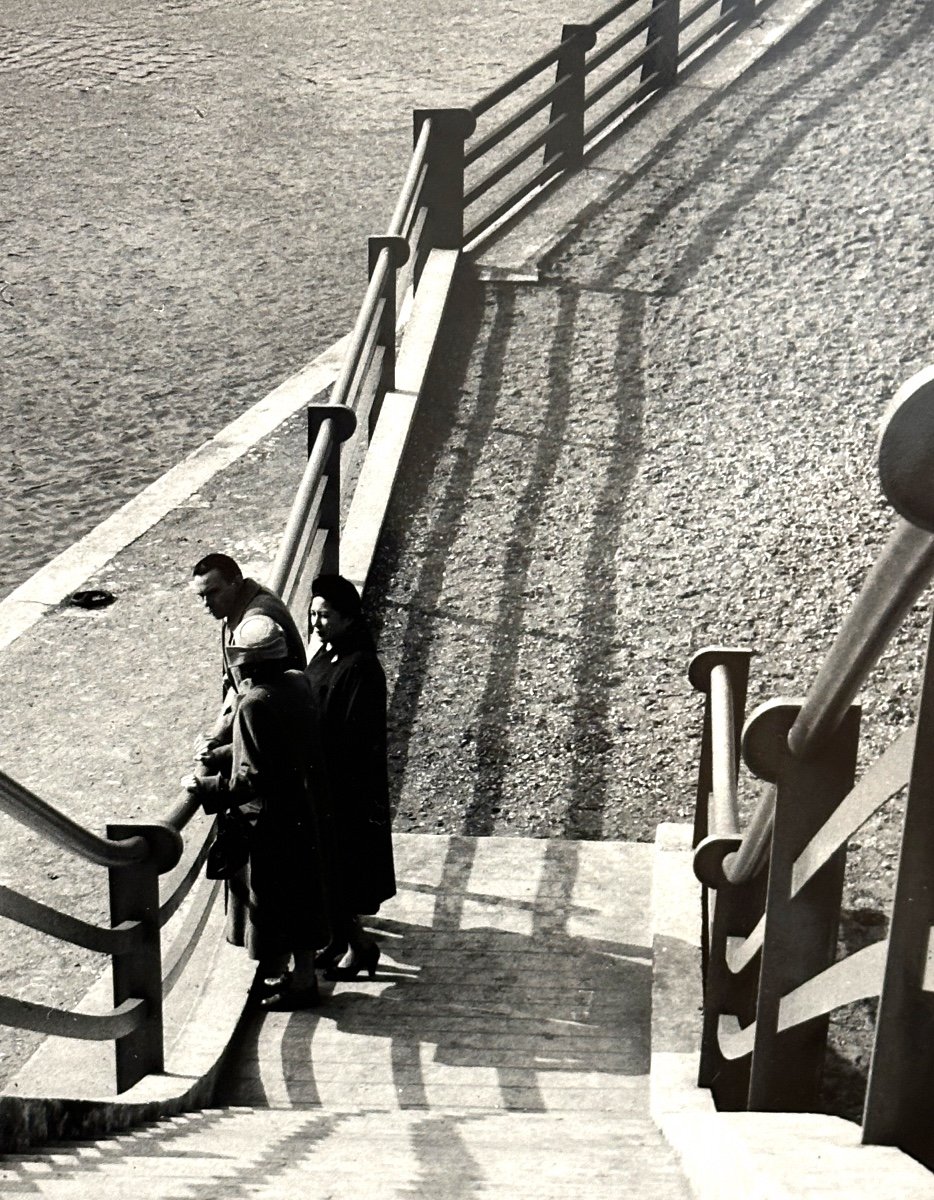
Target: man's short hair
x,y
222,563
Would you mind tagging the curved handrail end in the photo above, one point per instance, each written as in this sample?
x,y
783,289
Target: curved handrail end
x,y
704,660
709,854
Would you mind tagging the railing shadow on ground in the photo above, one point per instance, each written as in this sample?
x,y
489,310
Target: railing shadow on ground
x,y
478,996
747,123
370,411
461,431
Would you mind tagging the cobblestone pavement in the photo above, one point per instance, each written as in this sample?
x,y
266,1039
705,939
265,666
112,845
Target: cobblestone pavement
x,y
188,188
667,441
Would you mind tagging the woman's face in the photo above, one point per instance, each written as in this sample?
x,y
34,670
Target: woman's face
x,y
326,621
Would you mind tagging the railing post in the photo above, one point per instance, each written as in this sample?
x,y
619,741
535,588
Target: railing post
x,y
800,938
397,250
343,425
134,896
901,1075
566,138
444,180
661,59
730,912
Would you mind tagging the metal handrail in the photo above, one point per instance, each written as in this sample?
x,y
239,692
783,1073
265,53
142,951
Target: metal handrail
x,y
614,11
613,81
516,121
304,497
526,75
183,811
748,860
66,928
896,580
413,181
361,329
599,57
91,1027
26,808
518,156
723,817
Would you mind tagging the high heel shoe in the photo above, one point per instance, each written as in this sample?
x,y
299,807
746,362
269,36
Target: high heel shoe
x,y
330,956
362,960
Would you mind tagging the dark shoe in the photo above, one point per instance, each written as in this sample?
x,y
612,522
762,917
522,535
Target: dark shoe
x,y
362,960
264,985
290,999
330,956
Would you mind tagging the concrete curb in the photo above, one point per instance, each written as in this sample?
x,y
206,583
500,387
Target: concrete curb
x,y
202,1014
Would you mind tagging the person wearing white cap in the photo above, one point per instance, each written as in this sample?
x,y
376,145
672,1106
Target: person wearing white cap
x,y
276,904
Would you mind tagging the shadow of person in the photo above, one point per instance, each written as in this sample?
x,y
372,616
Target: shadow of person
x,y
500,1008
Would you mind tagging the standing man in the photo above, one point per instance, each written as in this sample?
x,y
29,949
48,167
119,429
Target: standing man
x,y
230,598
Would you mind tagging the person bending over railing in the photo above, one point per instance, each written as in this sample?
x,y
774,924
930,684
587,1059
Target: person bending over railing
x,y
259,785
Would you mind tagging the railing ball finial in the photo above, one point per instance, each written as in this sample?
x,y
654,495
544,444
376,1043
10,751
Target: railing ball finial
x,y
765,737
906,450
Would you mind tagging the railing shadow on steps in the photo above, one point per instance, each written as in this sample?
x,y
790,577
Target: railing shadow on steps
x,y
596,76
773,893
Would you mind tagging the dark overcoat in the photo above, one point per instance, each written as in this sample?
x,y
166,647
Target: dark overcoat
x,y
277,903
349,691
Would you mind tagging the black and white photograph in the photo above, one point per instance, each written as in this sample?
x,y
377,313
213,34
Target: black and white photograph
x,y
467,493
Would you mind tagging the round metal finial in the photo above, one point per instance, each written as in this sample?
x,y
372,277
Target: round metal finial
x,y
906,450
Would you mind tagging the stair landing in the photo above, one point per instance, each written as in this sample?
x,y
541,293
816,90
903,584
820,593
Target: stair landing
x,y
502,1049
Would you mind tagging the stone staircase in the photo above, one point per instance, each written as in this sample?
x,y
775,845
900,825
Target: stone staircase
x,y
501,1049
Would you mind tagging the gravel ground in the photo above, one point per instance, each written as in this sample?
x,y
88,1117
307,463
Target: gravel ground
x,y
188,187
669,442
666,442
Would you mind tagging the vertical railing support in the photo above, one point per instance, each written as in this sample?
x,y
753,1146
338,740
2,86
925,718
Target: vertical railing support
x,y
342,425
566,137
901,1076
731,911
137,974
800,939
397,252
444,182
661,60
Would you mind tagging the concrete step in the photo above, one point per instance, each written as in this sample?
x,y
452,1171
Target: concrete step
x,y
501,1049
237,1152
516,976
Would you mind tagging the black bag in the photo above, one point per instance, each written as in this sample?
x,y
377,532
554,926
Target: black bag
x,y
231,846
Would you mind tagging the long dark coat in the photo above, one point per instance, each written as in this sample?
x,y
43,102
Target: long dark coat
x,y
277,903
349,690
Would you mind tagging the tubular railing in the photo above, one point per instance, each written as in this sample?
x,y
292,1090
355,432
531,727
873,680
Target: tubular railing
x,y
773,892
429,215
560,108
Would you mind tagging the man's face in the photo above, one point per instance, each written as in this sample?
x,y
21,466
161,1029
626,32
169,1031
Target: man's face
x,y
217,594
326,621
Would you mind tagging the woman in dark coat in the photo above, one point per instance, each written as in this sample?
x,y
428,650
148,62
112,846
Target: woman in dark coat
x,y
276,905
349,691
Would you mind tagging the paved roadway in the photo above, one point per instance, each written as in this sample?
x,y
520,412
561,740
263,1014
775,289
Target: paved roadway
x,y
188,185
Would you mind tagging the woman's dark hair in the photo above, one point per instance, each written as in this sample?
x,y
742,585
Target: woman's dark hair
x,y
340,593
